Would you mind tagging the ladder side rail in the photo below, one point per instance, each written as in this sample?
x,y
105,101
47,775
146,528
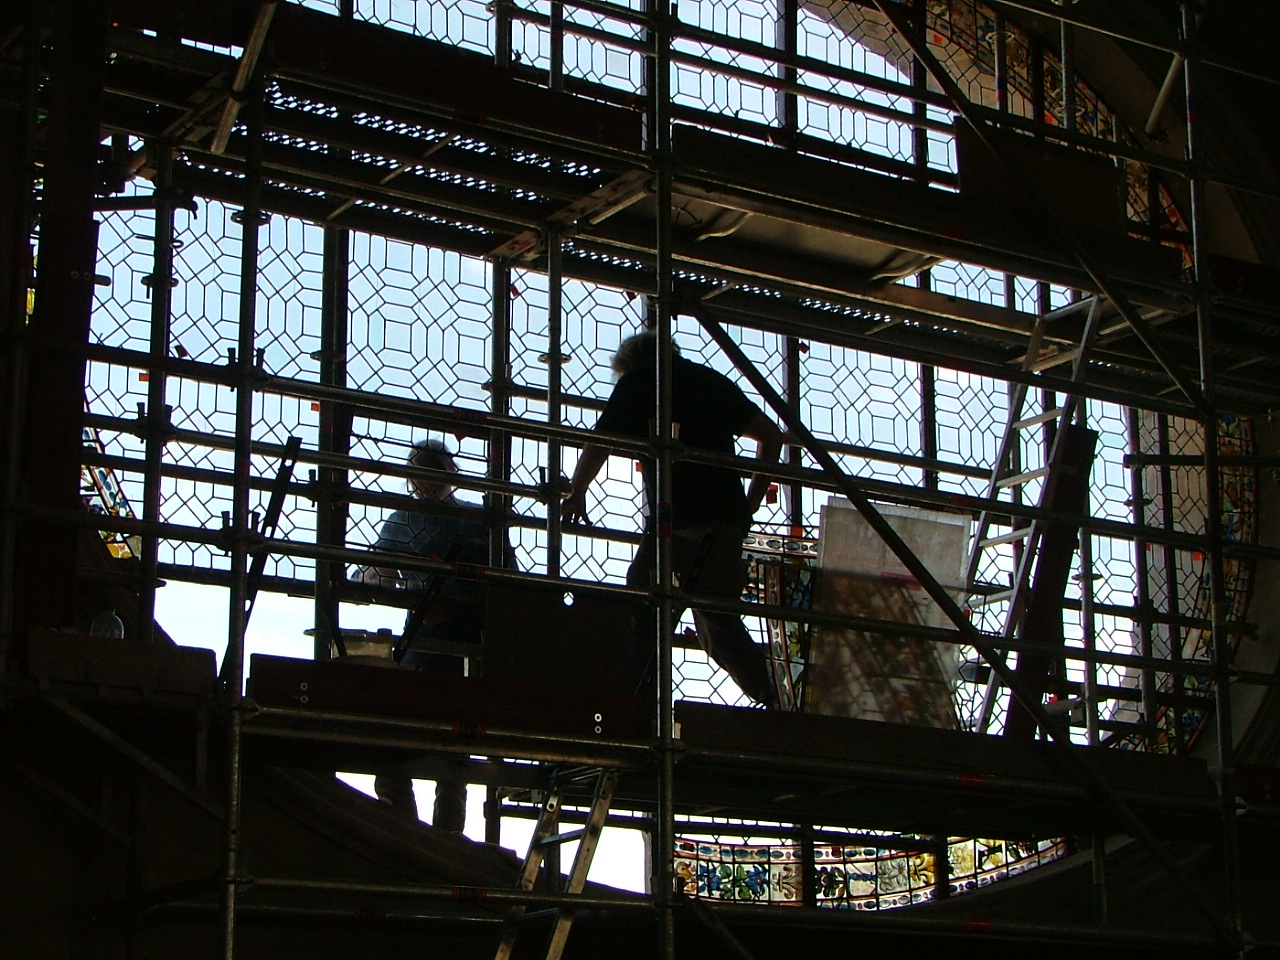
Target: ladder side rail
x,y
582,859
548,820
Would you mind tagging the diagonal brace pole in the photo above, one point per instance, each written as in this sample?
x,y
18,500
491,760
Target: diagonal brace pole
x,y
271,519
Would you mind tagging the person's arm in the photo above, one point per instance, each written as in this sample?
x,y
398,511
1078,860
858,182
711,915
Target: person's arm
x,y
393,537
573,509
768,440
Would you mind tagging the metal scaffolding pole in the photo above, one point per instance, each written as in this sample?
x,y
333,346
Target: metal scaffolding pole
x,y
161,283
498,505
16,273
1223,653
334,436
555,378
1177,636
241,531
498,500
1142,598
662,23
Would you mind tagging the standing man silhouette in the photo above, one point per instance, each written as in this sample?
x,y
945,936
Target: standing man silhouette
x,y
710,512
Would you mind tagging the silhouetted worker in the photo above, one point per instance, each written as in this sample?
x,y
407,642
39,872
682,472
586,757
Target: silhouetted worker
x,y
710,513
458,618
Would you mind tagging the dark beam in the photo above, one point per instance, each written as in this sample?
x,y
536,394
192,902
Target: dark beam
x,y
357,57
1066,489
45,586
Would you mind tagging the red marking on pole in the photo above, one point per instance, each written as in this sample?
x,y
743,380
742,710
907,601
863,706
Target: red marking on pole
x,y
471,571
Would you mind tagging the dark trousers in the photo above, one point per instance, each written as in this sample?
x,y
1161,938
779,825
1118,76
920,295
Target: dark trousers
x,y
707,560
451,798
395,789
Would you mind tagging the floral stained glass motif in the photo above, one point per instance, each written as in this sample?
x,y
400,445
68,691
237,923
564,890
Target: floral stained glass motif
x,y
780,569
855,877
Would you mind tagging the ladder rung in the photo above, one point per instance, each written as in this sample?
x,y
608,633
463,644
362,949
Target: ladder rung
x,y
1017,479
1020,533
1044,417
562,838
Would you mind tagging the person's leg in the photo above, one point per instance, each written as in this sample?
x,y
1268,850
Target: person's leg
x,y
450,811
717,569
396,791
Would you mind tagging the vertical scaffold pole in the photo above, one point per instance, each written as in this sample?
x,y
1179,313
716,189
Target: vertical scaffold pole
x,y
332,512
17,181
660,151
48,418
1222,649
555,351
920,157
555,356
334,435
1142,570
161,284
1176,630
498,505
251,219
786,34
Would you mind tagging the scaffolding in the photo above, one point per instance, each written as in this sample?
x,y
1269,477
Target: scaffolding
x,y
274,250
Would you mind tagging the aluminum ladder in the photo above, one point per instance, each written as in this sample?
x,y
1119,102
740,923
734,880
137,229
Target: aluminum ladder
x,y
1008,480
545,836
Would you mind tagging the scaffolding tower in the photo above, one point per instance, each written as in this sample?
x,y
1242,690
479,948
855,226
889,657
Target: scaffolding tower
x,y
255,250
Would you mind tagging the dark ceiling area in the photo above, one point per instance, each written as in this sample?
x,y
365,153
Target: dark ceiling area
x,y
482,160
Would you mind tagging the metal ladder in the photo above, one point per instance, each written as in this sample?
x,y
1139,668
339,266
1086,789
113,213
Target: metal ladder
x,y
545,836
1008,480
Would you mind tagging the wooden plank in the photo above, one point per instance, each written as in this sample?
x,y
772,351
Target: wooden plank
x,y
398,67
968,756
472,705
832,196
127,663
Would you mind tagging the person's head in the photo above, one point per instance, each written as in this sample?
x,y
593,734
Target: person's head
x,y
637,351
432,455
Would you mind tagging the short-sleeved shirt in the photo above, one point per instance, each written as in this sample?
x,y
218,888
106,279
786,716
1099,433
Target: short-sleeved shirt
x,y
711,412
432,537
